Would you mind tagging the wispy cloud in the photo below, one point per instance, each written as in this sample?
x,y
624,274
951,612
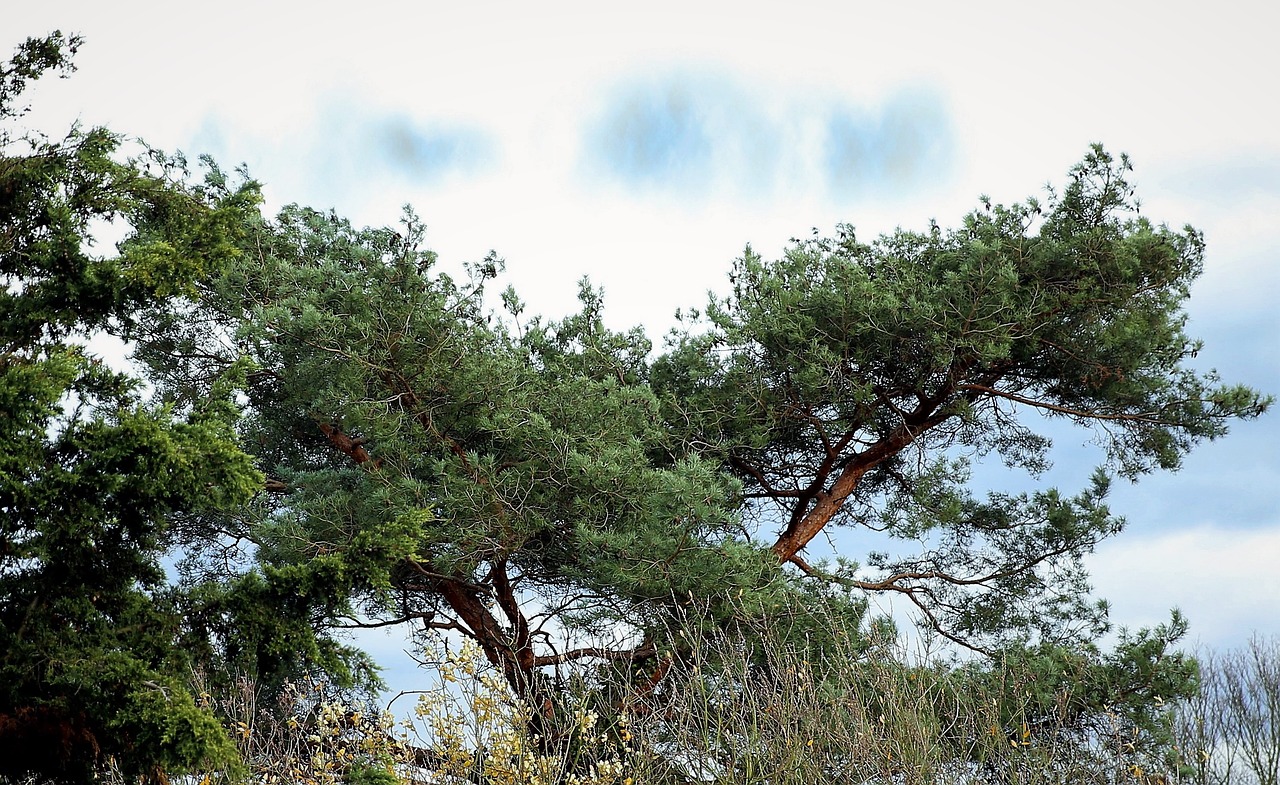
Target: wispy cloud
x,y
428,151
344,149
658,132
1146,576
901,145
687,131
1226,180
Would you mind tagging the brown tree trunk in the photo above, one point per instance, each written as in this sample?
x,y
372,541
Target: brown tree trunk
x,y
828,503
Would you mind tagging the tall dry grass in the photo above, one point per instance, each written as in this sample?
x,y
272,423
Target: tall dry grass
x,y
730,709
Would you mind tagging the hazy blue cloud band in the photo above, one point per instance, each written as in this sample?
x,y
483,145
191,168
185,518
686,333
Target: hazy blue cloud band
x,y
428,152
689,132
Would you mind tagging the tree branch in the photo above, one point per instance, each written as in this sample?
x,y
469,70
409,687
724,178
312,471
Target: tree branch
x,y
642,652
1148,418
352,448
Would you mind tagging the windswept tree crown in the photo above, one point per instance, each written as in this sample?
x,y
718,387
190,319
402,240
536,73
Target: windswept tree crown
x,y
846,383
511,478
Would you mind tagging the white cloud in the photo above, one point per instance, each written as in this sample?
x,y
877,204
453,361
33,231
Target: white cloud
x,y
1226,581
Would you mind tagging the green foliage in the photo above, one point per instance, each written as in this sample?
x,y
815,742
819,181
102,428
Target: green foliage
x,y
848,384
436,466
89,474
1113,703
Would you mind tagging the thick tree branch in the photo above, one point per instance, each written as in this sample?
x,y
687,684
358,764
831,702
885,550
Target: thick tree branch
x,y
801,531
351,447
521,643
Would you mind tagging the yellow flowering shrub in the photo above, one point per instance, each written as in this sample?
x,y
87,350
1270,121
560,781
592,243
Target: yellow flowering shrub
x,y
468,728
479,732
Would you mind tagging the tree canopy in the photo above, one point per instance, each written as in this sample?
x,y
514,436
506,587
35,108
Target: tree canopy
x,y
448,470
512,479
847,384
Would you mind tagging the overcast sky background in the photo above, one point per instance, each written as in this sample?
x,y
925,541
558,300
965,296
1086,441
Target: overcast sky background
x,y
644,145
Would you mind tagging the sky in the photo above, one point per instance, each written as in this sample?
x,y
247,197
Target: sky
x,y
646,145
